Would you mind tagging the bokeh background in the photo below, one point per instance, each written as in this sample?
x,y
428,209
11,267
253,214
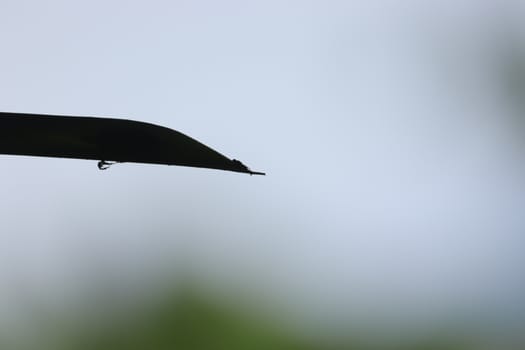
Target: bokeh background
x,y
392,215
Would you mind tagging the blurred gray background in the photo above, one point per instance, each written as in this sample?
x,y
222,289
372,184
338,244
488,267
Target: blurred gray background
x,y
391,132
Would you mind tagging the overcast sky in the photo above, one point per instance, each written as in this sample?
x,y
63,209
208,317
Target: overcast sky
x,y
393,148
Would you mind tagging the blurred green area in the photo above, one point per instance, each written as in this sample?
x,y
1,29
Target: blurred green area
x,y
513,75
189,317
188,320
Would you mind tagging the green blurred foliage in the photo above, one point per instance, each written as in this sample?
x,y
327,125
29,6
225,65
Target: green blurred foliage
x,y
185,320
514,77
194,318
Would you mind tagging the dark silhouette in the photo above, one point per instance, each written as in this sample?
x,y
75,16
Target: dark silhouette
x,y
107,140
